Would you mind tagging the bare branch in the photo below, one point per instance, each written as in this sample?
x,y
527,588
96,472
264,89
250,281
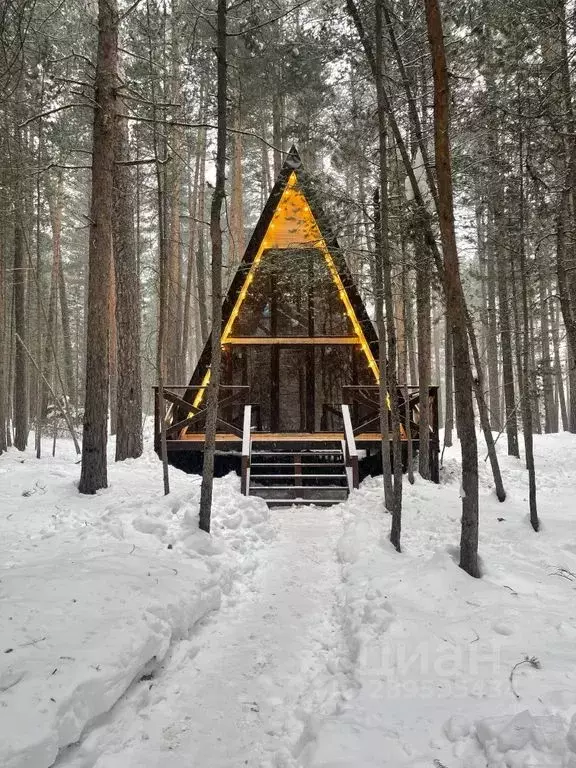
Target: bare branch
x,y
40,115
210,126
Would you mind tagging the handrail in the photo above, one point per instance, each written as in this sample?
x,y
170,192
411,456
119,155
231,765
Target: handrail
x,y
351,453
246,449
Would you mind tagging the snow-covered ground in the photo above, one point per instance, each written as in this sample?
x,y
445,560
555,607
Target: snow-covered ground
x,y
433,650
299,638
96,593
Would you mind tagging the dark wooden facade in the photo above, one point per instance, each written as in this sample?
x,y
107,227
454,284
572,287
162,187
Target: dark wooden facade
x,y
299,349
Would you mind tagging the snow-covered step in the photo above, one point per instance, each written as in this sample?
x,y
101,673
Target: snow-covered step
x,y
299,502
308,492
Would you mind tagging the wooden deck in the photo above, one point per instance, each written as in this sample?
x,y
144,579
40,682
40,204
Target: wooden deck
x,y
277,437
186,438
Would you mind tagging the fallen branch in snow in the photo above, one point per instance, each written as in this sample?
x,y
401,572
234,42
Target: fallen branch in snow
x,y
25,645
32,642
32,491
532,660
565,573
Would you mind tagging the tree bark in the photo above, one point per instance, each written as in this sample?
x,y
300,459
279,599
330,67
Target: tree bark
x,y
423,272
216,238
191,282
67,339
3,351
388,374
387,482
200,258
558,368
237,244
94,470
526,345
449,385
113,351
454,295
55,205
20,395
492,332
506,347
129,440
546,363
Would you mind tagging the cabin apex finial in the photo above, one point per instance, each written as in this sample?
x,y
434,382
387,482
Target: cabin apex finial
x,y
293,159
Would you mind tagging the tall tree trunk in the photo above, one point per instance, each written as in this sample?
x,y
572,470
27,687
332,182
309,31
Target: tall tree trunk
x,y
191,282
492,331
113,350
3,351
454,295
200,258
388,374
174,169
558,368
423,270
409,331
20,395
266,181
67,338
547,366
55,205
129,440
561,81
484,416
216,238
404,364
277,132
173,324
449,386
39,413
383,405
506,347
94,470
568,312
526,344
237,243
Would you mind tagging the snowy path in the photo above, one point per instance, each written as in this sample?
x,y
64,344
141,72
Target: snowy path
x,y
239,692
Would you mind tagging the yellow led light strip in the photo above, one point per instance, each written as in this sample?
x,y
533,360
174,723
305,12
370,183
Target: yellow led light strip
x,y
321,245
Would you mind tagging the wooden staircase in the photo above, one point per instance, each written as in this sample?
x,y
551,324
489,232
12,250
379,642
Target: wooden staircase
x,y
299,470
305,474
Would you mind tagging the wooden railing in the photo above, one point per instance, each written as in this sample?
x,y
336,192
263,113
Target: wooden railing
x,y
350,452
246,450
365,403
182,414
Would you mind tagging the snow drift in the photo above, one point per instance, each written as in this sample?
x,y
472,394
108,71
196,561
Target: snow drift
x,y
95,590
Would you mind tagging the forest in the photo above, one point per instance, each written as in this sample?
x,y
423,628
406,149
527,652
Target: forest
x,y
139,142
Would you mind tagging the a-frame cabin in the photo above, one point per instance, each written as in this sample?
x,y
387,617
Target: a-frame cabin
x,y
298,402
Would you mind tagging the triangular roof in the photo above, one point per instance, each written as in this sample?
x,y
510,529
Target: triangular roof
x,y
293,183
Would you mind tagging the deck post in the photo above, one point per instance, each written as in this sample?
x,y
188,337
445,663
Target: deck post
x,y
246,450
351,454
156,420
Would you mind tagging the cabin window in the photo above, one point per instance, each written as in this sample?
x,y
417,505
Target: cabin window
x,y
292,294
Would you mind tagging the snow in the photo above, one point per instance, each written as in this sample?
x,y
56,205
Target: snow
x,y
297,638
433,649
95,591
242,696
